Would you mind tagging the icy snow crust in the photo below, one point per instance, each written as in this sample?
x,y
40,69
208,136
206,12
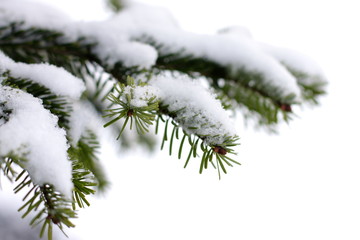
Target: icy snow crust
x,y
33,132
117,36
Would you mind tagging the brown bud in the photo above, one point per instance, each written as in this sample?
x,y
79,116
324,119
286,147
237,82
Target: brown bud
x,y
53,218
286,107
219,150
130,112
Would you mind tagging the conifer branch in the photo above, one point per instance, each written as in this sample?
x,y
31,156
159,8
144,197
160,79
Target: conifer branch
x,y
265,92
312,86
250,82
256,97
86,164
47,206
7,169
84,182
57,105
36,45
195,142
141,115
262,109
196,66
144,116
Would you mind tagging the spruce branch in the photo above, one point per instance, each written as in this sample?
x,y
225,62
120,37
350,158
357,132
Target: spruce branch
x,y
37,45
7,169
255,106
190,124
195,66
123,107
84,182
86,164
57,105
251,82
78,54
142,115
312,86
48,207
195,142
241,89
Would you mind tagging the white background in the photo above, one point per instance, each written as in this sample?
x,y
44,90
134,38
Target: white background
x,y
301,184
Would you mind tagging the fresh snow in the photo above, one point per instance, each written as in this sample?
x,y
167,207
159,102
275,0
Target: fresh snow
x,y
32,131
296,61
287,57
140,20
140,95
196,106
118,40
112,46
58,80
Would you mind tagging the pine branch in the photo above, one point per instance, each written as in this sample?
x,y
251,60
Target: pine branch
x,y
141,115
57,105
209,151
196,66
37,45
186,120
250,82
47,206
84,182
7,169
259,108
257,96
77,55
85,159
312,86
144,116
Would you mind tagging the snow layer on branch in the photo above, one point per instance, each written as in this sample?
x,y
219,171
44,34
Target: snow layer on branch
x,y
113,44
296,61
289,57
33,132
141,95
225,49
32,13
199,112
58,80
119,40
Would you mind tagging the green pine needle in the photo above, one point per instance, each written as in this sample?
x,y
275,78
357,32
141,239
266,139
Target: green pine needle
x,y
142,117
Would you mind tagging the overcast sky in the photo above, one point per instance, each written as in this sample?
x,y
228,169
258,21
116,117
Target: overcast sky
x,y
301,184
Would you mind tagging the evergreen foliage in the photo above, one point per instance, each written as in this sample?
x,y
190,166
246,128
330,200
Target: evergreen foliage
x,y
112,92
